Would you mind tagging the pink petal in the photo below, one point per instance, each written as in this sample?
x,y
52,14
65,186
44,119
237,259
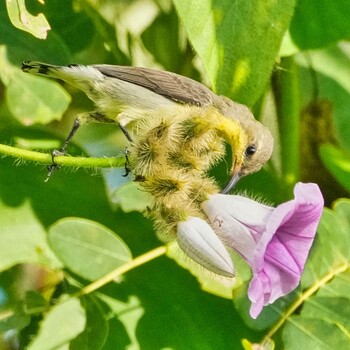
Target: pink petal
x,y
281,254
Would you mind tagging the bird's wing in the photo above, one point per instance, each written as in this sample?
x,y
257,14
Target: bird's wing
x,y
167,84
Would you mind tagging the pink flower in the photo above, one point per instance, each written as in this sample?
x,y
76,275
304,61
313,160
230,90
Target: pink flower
x,y
275,242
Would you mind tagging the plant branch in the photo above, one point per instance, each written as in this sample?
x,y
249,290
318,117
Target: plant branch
x,y
140,260
45,158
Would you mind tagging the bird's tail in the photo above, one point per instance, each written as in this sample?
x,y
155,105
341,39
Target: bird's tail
x,y
78,75
40,68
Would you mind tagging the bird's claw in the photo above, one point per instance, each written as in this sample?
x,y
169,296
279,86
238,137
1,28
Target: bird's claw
x,y
52,167
127,163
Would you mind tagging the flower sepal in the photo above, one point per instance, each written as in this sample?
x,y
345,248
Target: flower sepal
x,y
198,241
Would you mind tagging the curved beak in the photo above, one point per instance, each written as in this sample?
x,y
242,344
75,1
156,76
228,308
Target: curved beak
x,y
236,175
232,183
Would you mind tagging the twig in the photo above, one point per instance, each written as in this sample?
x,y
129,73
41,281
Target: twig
x,y
45,158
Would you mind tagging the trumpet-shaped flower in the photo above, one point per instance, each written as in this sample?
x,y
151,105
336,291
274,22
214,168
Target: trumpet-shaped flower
x,y
275,242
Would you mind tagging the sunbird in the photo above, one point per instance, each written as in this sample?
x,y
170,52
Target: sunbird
x,y
124,94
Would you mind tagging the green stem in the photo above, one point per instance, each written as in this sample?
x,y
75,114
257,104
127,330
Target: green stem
x,y
140,260
286,91
44,158
304,296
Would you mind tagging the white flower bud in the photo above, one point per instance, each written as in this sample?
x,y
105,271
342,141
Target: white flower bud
x,y
198,240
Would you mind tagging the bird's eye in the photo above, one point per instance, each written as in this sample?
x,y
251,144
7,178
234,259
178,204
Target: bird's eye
x,y
250,150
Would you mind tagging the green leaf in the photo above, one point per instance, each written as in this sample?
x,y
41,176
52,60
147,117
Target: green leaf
x,y
96,330
16,321
130,197
331,245
21,46
184,302
210,283
331,308
80,31
270,315
31,99
60,325
337,161
23,239
166,48
247,345
41,100
106,32
318,23
34,303
238,41
99,250
332,68
22,19
339,287
129,313
312,333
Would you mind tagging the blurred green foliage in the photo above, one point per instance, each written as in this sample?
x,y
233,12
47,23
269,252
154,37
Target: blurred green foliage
x,y
289,61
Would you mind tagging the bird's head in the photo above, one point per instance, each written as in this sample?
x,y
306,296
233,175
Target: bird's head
x,y
251,151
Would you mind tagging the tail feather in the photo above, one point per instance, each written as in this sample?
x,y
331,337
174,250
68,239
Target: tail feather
x,y
35,67
78,75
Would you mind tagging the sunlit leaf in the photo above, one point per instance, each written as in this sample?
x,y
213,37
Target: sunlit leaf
x,y
33,99
22,19
22,238
338,288
247,345
238,41
60,325
334,308
98,249
313,333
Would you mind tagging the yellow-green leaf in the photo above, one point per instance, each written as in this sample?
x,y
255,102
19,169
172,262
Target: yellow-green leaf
x,y
22,19
98,249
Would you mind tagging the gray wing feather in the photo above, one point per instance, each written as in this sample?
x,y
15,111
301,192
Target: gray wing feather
x,y
167,84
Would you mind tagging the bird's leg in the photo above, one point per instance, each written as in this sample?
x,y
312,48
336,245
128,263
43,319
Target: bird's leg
x,y
81,119
125,132
127,162
126,152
